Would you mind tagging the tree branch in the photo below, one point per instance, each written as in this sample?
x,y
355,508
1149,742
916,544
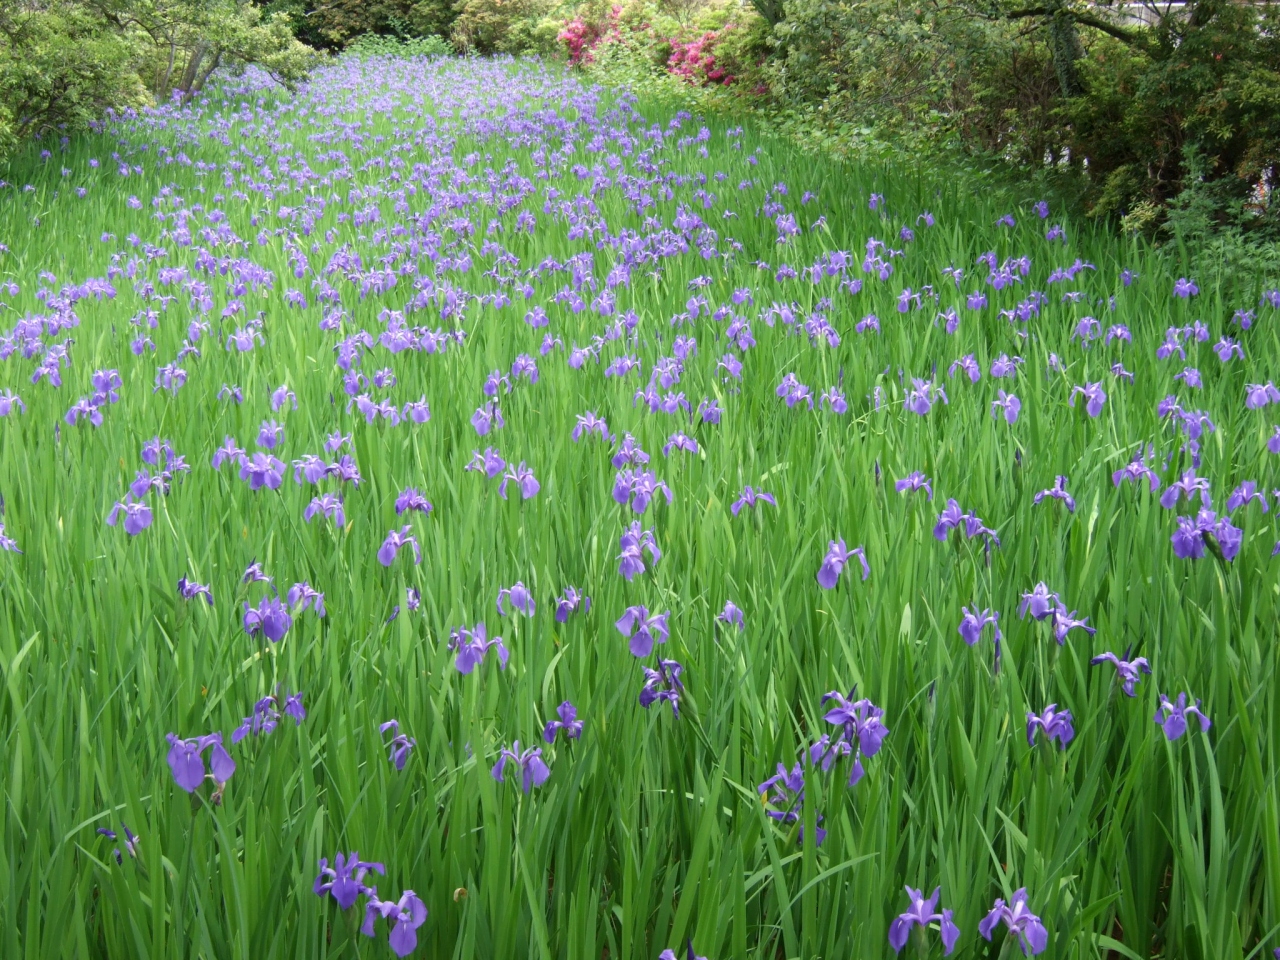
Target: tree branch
x,y
1127,37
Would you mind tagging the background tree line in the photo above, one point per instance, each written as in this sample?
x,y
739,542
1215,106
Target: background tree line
x,y
1162,118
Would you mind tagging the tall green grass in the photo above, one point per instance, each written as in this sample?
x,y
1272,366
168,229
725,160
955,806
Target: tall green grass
x,y
650,830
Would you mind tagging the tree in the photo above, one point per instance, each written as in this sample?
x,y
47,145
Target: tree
x,y
190,39
60,69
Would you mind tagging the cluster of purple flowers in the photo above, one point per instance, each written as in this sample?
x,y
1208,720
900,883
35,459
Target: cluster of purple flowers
x,y
426,258
344,881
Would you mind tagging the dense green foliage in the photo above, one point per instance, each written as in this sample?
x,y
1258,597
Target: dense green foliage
x,y
64,63
650,829
1172,129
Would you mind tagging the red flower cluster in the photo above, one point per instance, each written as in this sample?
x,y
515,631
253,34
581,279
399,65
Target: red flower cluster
x,y
579,38
695,60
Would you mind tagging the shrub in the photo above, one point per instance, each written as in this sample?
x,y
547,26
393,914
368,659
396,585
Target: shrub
x,y
504,26
376,45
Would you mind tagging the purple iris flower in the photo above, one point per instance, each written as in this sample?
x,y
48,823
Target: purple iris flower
x,y
519,596
1135,471
261,470
648,630
633,543
629,454
335,441
1258,395
787,798
662,684
1226,348
303,595
1129,671
923,395
487,417
155,450
1245,494
84,408
1058,492
1189,539
309,469
1191,377
750,497
834,400
1032,935
952,517
411,499
137,516
9,401
732,614
533,770
914,482
143,482
1041,602
186,760
189,590
968,365
106,387
271,435
264,718
281,396
399,746
391,546
638,487
228,392
346,470
131,841
293,708
269,617
473,645
1094,397
416,411
254,574
587,424
923,912
568,722
1187,485
329,505
490,462
345,878
670,954
1002,366
1064,623
1184,288
974,622
792,391
227,452
838,554
522,476
569,602
406,915
1056,725
524,366
679,441
1172,717
862,724
493,381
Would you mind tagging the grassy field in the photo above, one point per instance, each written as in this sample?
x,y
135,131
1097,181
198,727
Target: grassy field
x,y
374,249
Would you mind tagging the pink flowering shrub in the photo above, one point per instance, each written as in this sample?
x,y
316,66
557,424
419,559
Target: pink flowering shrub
x,y
639,35
695,60
580,38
